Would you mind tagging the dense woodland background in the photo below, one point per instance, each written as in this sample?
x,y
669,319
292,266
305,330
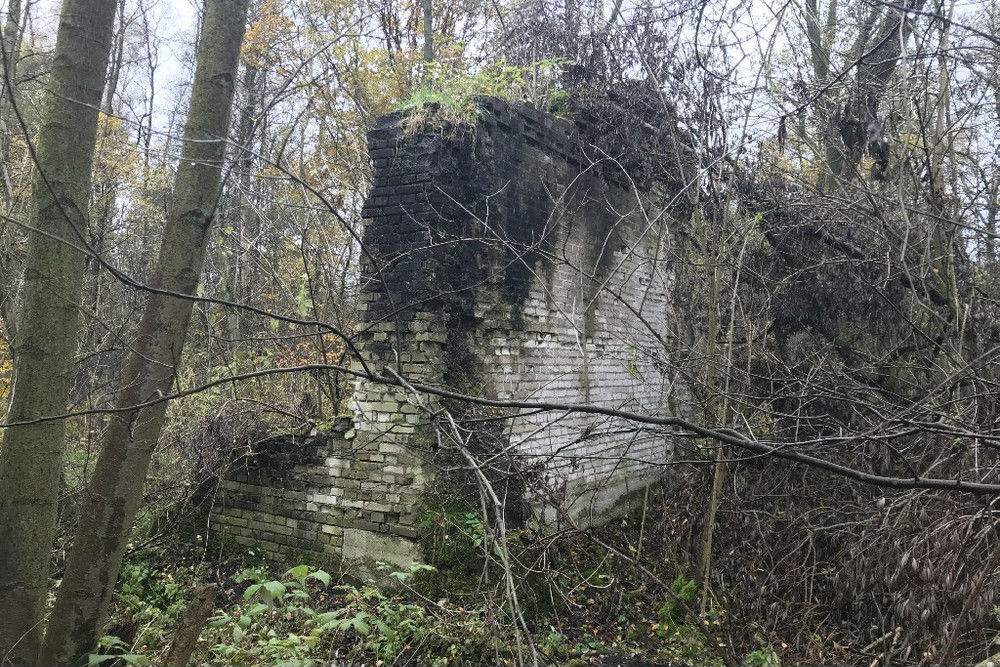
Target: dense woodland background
x,y
834,246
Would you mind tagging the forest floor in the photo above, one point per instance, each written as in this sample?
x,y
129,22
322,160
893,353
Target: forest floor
x,y
580,604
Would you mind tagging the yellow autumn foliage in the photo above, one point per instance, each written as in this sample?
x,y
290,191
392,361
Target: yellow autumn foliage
x,y
115,159
266,35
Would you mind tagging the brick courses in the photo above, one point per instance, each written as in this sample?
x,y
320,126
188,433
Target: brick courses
x,y
501,260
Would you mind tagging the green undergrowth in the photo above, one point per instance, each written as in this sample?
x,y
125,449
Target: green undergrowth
x,y
581,605
466,559
301,617
453,540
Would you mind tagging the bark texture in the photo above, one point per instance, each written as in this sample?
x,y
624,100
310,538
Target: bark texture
x,y
9,264
45,345
115,488
428,7
190,626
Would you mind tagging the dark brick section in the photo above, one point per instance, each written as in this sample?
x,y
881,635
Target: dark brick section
x,y
455,207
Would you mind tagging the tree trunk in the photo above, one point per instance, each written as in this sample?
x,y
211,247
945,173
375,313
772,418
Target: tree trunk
x,y
117,62
876,51
9,266
11,53
241,187
115,489
704,564
45,346
428,7
190,625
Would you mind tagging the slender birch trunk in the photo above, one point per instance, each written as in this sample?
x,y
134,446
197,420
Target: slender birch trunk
x,y
711,261
9,269
45,346
115,489
11,53
428,7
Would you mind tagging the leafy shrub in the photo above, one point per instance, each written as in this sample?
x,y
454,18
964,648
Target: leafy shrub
x,y
452,539
683,643
149,603
762,657
554,645
765,656
685,592
299,620
454,93
116,650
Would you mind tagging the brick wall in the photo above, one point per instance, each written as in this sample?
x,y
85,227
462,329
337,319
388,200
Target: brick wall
x,y
502,259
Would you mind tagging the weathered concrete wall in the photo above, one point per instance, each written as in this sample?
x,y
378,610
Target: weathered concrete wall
x,y
501,261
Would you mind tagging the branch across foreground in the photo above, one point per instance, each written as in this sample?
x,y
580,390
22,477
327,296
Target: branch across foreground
x,y
722,436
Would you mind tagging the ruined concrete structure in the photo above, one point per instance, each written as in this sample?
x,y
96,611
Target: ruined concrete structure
x,y
504,260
